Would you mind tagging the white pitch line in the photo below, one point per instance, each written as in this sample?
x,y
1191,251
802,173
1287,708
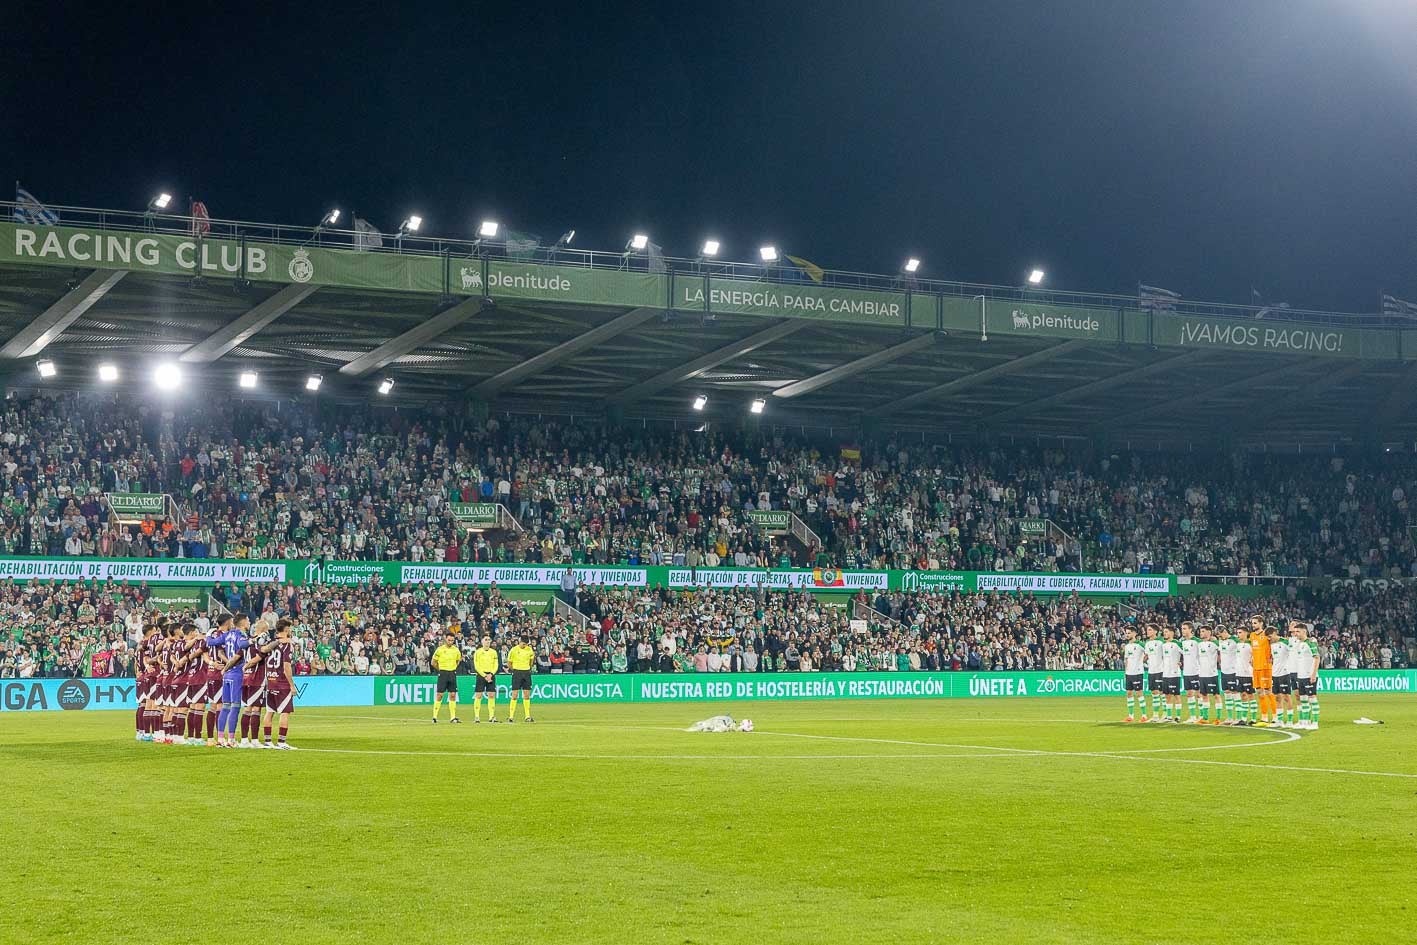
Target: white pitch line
x,y
599,757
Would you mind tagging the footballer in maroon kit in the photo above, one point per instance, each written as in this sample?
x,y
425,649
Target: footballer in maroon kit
x,y
148,711
253,686
280,684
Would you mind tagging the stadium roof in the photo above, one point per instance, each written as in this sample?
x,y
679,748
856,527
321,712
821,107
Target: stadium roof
x,y
558,331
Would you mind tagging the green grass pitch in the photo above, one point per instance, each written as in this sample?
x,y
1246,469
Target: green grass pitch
x,y
896,821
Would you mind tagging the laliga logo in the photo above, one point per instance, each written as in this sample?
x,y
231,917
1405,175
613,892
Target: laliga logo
x,y
301,268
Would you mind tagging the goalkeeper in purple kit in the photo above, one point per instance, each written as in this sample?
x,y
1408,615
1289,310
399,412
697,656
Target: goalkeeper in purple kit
x,y
231,637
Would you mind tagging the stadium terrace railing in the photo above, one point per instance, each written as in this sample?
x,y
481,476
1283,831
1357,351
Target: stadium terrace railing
x,y
413,244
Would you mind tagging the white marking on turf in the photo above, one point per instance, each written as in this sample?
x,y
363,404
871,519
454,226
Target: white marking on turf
x,y
639,757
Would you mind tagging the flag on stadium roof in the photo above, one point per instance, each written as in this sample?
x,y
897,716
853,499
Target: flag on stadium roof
x,y
366,235
1157,299
522,245
805,266
201,220
656,258
29,210
1395,306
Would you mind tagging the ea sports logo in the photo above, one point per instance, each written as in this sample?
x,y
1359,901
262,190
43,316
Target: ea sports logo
x,y
301,269
73,694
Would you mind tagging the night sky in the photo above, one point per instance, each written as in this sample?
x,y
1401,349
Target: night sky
x,y
1204,147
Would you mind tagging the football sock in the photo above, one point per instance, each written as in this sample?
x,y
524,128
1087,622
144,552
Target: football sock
x,y
138,720
268,732
1314,710
437,707
211,723
526,705
452,708
477,708
491,707
1304,710
283,730
1131,706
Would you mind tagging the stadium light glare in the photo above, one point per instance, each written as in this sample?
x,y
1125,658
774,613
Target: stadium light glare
x,y
758,405
46,368
700,401
911,265
566,238
710,248
331,218
768,254
487,229
386,385
639,241
167,376
108,373
160,202
313,382
249,379
1035,277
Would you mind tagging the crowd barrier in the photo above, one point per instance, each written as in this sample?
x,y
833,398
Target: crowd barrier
x,y
34,695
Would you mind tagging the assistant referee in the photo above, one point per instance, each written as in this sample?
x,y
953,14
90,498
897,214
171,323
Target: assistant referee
x,y
445,660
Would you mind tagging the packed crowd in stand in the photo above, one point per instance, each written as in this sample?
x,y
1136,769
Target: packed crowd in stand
x,y
264,481
253,480
89,629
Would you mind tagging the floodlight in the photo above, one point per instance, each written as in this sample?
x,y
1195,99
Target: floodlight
x,y
710,248
248,379
108,373
160,202
313,382
1036,277
411,225
639,241
167,376
758,405
487,229
331,218
912,264
768,253
46,368
386,385
566,238
700,401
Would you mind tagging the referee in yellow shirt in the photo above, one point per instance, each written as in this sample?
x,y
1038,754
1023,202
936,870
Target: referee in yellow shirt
x,y
519,660
445,660
485,664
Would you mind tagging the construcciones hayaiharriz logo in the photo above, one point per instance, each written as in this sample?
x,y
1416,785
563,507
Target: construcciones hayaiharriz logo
x,y
301,269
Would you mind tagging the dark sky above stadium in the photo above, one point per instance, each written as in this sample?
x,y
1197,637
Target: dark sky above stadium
x,y
1202,146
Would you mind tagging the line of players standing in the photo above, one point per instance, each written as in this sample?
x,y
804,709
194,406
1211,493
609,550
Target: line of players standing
x,y
1255,678
188,681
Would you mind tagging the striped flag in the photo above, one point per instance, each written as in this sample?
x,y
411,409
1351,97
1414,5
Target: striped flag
x,y
201,220
29,210
1399,307
522,245
1157,299
656,258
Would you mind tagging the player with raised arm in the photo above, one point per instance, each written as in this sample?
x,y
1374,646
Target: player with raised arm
x,y
1283,680
1305,659
1133,664
1191,670
1153,676
280,685
1209,657
1245,677
1171,675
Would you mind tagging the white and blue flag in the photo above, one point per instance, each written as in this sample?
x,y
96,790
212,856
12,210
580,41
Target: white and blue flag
x,y
31,211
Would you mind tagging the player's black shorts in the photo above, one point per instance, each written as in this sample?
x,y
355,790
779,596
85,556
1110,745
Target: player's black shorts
x,y
1229,682
1308,687
521,679
486,685
1210,686
1171,685
1193,683
1153,682
1133,683
1247,684
1283,685
447,682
